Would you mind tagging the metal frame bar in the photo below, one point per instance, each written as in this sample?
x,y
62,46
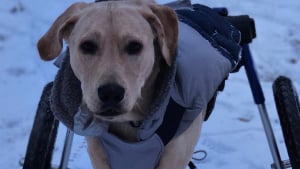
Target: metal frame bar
x,y
66,150
259,100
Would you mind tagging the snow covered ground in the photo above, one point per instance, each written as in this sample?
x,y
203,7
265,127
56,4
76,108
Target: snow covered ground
x,y
233,136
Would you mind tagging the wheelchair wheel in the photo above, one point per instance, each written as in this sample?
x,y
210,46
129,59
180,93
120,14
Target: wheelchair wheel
x,y
287,104
43,134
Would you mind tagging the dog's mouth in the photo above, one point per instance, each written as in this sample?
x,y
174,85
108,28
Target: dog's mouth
x,y
109,113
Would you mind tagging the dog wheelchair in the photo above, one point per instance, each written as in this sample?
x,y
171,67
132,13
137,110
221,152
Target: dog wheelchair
x,y
43,134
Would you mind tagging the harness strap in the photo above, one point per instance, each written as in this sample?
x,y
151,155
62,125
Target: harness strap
x,y
171,121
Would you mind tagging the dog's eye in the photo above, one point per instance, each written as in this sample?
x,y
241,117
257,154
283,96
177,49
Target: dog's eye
x,y
133,47
88,47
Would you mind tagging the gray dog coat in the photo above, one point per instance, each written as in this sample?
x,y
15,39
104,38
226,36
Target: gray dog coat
x,y
201,65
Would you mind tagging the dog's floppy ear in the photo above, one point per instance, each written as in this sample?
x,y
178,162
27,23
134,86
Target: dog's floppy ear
x,y
165,25
50,45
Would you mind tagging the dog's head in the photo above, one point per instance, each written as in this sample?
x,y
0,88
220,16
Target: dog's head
x,y
113,51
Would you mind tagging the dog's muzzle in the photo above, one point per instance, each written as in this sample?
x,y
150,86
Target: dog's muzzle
x,y
111,96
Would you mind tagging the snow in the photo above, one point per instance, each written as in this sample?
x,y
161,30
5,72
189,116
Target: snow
x,y
233,136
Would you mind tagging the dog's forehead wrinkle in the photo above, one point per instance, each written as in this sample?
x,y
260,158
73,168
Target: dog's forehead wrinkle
x,y
111,18
133,29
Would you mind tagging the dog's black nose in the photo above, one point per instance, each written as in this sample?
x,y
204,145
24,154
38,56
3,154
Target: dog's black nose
x,y
111,94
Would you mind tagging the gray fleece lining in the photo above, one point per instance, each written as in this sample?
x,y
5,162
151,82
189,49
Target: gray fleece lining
x,y
66,94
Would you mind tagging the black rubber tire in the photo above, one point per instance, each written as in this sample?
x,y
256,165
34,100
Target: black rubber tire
x,y
287,104
43,135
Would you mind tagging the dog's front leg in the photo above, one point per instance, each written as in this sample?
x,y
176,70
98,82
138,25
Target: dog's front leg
x,y
97,154
178,152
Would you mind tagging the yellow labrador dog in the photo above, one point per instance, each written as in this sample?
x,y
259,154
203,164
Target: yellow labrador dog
x,y
116,49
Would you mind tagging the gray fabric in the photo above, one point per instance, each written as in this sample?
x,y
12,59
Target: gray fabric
x,y
85,124
140,155
200,70
60,58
